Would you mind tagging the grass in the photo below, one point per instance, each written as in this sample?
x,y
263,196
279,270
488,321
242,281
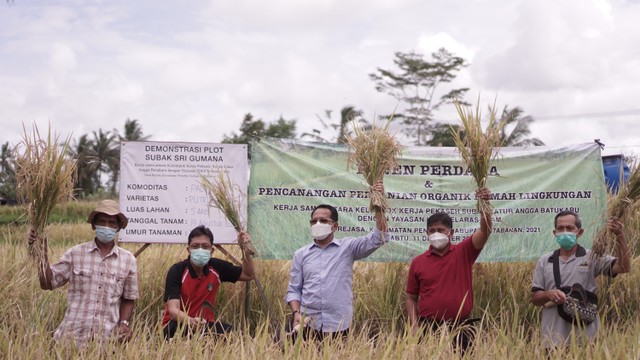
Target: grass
x,y
510,328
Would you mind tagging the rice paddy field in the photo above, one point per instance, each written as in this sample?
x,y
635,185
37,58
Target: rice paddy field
x,y
509,329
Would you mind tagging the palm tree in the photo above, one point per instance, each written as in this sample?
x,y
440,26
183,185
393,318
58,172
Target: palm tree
x,y
88,165
132,131
519,132
106,151
347,115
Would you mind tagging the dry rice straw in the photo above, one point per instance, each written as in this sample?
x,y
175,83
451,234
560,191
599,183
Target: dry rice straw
x,y
620,205
226,197
45,177
478,148
374,152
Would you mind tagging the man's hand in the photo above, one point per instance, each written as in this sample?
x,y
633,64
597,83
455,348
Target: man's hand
x,y
378,186
244,241
196,322
615,226
483,193
556,296
124,332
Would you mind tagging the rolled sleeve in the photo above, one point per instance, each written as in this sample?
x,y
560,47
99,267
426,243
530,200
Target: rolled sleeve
x,y
538,282
61,271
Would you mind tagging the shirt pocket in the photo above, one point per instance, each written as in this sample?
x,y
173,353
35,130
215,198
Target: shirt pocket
x,y
116,284
80,280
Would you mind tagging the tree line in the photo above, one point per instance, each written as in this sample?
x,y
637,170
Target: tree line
x,y
420,85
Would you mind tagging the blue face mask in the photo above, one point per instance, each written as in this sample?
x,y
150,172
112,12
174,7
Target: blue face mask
x,y
200,257
566,240
105,234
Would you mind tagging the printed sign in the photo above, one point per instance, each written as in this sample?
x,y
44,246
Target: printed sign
x,y
529,187
161,195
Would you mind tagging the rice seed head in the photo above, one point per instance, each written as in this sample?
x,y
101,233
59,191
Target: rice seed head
x,y
621,206
45,176
373,152
228,198
478,148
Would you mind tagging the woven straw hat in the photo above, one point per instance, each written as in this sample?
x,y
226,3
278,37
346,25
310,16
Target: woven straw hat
x,y
109,207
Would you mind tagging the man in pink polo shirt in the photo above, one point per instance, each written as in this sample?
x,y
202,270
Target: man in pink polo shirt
x,y
439,288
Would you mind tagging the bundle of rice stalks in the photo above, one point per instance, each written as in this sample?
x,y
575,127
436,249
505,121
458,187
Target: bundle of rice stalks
x,y
227,197
620,205
45,176
374,152
478,148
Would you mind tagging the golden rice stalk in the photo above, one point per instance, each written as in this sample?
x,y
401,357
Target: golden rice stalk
x,y
478,148
45,176
619,206
374,152
226,197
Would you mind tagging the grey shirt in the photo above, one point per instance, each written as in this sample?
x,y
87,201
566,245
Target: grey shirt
x,y
579,268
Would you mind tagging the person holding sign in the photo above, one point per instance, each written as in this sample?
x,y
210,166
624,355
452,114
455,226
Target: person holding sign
x,y
439,288
320,288
567,275
103,281
192,285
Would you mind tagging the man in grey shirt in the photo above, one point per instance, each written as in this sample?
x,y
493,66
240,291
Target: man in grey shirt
x,y
576,266
322,273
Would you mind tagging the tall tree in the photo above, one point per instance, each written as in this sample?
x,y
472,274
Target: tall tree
x,y
88,164
105,149
132,131
519,126
250,127
416,85
347,115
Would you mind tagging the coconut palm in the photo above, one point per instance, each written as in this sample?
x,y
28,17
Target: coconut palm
x,y
105,149
519,125
87,166
132,131
347,114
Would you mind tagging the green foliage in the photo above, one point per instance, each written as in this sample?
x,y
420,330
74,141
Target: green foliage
x,y
7,173
416,85
250,128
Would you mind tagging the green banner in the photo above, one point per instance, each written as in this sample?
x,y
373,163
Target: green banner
x,y
529,186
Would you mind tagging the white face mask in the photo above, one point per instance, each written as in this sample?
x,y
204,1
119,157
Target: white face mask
x,y
320,231
438,240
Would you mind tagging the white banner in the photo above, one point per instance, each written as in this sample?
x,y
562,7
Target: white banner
x,y
162,197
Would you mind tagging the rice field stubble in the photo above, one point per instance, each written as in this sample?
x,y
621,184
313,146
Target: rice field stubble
x,y
509,329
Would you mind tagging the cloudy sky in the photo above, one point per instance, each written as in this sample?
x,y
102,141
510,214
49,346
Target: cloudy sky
x,y
189,71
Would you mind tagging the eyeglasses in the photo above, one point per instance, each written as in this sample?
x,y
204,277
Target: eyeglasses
x,y
200,246
321,221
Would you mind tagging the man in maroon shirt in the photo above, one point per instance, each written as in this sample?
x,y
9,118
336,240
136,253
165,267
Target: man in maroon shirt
x,y
192,285
439,288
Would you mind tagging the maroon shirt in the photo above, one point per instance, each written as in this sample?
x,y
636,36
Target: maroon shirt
x,y
197,295
444,283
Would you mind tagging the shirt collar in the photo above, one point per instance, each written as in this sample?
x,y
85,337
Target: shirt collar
x,y
94,247
335,242
451,248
